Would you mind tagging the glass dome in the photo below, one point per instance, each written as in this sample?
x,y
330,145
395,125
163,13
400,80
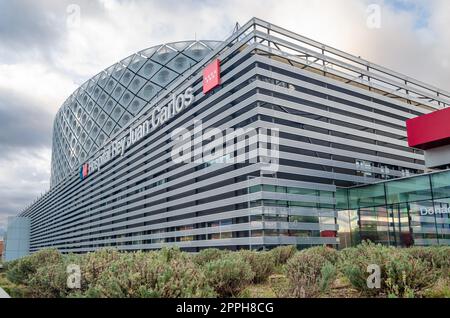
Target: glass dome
x,y
112,98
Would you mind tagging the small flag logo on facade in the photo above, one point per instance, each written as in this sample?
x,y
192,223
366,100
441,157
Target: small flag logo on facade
x,y
84,171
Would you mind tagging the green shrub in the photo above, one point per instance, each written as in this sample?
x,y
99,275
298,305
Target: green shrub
x,y
108,273
20,271
413,272
120,275
282,254
9,265
437,256
13,290
401,274
279,284
93,264
208,255
407,275
441,289
17,291
228,275
353,263
49,281
309,272
329,254
170,253
328,275
261,263
166,274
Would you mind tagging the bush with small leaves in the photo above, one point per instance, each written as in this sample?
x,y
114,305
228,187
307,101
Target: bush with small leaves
x,y
170,272
437,256
354,263
170,253
228,275
401,274
407,275
309,273
18,271
329,254
167,274
49,281
261,263
441,289
93,264
282,254
13,290
328,275
21,271
208,255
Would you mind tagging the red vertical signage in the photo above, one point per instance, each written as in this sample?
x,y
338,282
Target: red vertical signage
x,y
85,170
211,76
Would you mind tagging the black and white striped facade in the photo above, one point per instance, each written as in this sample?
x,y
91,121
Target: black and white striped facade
x,y
340,120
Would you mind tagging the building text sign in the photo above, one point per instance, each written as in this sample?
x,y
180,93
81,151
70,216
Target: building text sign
x,y
424,211
159,116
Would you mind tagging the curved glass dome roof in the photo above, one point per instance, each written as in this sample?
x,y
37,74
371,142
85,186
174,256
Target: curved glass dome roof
x,y
112,98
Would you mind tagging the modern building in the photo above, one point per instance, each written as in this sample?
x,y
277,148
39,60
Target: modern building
x,y
308,120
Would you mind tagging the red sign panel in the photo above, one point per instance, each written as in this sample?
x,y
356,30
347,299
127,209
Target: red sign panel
x,y
211,76
429,131
85,170
328,234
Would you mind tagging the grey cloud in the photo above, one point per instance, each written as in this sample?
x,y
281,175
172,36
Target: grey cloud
x,y
16,200
28,180
36,29
27,29
23,124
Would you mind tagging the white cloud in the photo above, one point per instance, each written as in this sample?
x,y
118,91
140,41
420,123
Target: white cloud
x,y
126,27
37,82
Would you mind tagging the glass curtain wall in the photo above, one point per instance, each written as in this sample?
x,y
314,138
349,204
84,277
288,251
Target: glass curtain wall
x,y
403,212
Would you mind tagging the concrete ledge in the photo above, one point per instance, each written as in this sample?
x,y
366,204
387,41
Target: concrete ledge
x,y
3,294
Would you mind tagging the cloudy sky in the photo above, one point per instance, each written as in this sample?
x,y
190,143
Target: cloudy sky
x,y
49,47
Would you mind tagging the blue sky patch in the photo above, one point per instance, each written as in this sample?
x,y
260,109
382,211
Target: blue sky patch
x,y
419,9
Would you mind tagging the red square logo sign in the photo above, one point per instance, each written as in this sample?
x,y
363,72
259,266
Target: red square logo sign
x,y
211,76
